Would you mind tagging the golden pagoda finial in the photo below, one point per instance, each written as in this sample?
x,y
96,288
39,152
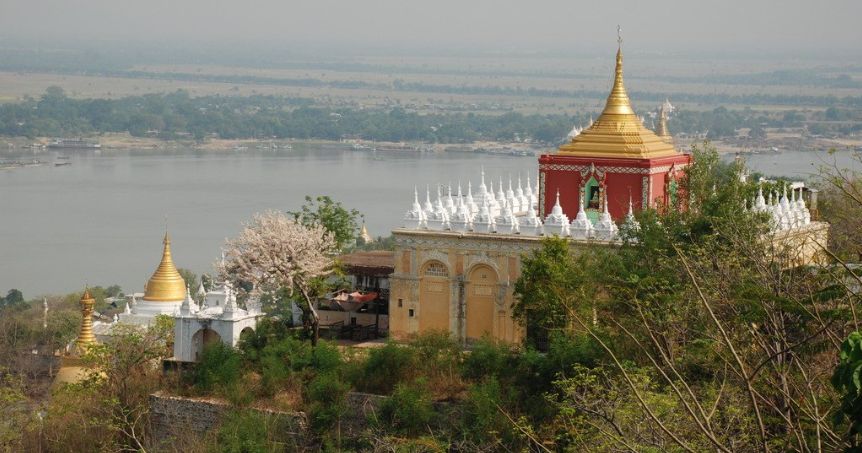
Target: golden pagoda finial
x,y
618,101
85,335
166,284
618,131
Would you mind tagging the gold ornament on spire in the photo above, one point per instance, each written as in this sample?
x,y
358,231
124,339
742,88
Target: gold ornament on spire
x,y
618,132
86,336
166,284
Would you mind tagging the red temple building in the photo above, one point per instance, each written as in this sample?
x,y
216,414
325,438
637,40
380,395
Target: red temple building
x,y
615,160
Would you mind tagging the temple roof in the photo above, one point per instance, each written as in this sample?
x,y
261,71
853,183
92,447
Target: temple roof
x,y
166,284
618,132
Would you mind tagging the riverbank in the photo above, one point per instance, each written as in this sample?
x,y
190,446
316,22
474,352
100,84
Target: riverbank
x,y
775,142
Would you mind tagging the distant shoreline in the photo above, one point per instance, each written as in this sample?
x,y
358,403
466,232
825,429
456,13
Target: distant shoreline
x,y
126,142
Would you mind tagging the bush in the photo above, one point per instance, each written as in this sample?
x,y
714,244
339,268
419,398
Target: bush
x,y
483,423
220,370
386,367
488,358
249,431
327,395
409,410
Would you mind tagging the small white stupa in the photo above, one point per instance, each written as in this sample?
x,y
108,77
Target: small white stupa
x,y
557,222
582,226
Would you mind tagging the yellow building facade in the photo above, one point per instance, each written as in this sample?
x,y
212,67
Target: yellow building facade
x,y
461,283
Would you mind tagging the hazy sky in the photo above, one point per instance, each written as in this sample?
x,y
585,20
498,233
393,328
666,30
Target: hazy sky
x,y
673,25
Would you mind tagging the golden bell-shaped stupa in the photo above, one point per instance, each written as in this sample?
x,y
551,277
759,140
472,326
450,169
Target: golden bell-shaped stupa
x,y
85,335
618,132
166,284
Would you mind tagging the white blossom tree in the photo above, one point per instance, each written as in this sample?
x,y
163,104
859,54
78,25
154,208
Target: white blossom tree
x,y
274,252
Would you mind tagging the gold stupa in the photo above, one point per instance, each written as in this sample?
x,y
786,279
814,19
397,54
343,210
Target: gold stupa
x,y
618,132
86,336
166,284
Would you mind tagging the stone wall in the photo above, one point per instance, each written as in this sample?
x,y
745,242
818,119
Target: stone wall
x,y
174,416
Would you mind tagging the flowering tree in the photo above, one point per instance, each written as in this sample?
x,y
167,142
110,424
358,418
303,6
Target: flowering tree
x,y
274,252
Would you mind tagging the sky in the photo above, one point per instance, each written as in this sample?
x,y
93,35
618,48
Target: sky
x,y
749,26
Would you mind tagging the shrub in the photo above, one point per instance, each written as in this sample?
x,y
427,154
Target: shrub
x,y
327,395
249,431
220,370
386,367
483,422
409,410
488,358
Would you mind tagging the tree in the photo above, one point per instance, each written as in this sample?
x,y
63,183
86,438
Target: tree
x,y
274,252
322,211
711,342
191,279
13,297
553,282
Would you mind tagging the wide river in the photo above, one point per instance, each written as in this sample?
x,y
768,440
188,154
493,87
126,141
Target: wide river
x,y
100,220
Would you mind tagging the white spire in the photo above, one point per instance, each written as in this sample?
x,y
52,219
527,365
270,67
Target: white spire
x,y
474,208
631,224
523,201
605,229
582,226
484,221
506,222
428,208
448,201
439,220
415,217
557,222
463,218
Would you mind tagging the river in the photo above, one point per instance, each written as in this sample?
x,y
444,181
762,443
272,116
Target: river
x,y
100,220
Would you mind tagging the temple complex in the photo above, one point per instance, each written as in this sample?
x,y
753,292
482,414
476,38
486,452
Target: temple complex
x,y
457,258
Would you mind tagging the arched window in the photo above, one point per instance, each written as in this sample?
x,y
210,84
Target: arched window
x,y
592,195
436,269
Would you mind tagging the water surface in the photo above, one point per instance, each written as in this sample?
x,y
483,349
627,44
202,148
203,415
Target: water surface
x,y
101,219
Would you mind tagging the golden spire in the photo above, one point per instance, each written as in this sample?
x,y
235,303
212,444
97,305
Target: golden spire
x,y
86,336
618,132
363,234
166,284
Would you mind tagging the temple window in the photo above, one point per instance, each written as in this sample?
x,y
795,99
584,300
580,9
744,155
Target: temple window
x,y
436,269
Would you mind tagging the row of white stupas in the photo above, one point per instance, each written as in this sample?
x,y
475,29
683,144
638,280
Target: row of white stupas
x,y
785,214
507,212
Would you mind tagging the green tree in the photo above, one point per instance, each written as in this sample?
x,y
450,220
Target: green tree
x,y
847,379
343,223
13,297
553,283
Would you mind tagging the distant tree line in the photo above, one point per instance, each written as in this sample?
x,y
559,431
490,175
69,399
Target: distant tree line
x,y
178,115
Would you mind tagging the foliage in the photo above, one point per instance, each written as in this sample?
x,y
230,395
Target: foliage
x,y
250,431
400,363
484,423
553,282
409,410
840,204
847,380
327,395
220,370
340,222
275,253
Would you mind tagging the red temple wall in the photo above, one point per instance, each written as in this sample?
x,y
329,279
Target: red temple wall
x,y
623,177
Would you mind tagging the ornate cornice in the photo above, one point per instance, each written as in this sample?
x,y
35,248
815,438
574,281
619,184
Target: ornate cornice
x,y
585,169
